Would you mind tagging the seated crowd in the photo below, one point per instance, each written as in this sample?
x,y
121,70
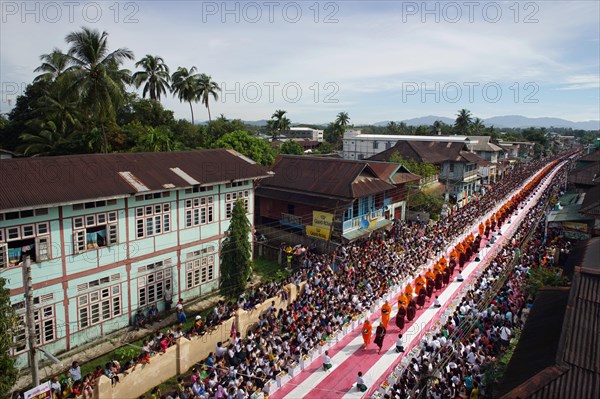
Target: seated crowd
x,y
338,288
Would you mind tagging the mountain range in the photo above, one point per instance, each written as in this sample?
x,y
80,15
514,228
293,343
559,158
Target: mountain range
x,y
507,121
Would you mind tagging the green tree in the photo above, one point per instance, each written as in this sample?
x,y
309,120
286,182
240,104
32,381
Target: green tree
x,y
53,66
8,326
325,148
155,139
50,140
423,169
154,76
95,76
291,147
253,147
148,112
279,123
185,86
207,88
463,121
342,119
544,277
477,126
221,126
236,262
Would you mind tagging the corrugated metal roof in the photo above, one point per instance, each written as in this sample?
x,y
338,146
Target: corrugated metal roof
x,y
31,182
578,356
310,199
482,143
428,151
326,176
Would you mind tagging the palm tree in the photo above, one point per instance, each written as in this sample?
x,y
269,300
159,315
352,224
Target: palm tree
x,y
53,66
95,77
61,108
155,75
342,119
279,123
206,89
477,126
49,141
436,127
463,121
185,86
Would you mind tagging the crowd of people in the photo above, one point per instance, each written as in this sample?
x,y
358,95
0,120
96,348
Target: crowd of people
x,y
451,363
339,287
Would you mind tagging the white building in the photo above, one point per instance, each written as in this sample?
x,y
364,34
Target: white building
x,y
362,146
300,132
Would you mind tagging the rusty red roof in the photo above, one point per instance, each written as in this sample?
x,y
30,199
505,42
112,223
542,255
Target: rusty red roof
x,y
326,176
31,182
433,152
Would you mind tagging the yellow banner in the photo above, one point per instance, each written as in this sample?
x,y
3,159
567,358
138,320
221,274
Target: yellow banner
x,y
322,219
317,232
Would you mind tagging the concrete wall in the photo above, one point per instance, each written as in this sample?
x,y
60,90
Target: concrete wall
x,y
182,356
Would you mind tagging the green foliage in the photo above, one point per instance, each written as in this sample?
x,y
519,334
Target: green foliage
x,y
426,202
544,277
292,148
236,264
125,353
253,147
148,112
325,148
8,326
221,126
334,134
463,122
422,169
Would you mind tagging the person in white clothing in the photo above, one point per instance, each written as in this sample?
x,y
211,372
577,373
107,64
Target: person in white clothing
x,y
327,361
399,344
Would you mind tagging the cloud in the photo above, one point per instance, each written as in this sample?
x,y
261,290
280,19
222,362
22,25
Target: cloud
x,y
581,82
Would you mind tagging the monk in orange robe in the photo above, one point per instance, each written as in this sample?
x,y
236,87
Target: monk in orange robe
x,y
367,329
408,291
430,274
420,282
403,300
386,311
481,229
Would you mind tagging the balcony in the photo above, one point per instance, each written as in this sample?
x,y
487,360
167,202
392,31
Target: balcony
x,y
354,223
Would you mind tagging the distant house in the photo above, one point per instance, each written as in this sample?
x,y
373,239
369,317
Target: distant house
x,y
357,146
458,168
517,150
327,198
305,133
492,153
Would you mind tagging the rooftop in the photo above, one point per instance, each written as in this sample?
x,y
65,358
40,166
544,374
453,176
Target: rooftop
x,y
42,181
429,151
330,177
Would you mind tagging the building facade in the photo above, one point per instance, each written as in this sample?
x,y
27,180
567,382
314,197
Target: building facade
x,y
326,198
108,235
306,133
357,146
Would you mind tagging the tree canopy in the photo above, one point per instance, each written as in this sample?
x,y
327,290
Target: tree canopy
x,y
253,147
236,261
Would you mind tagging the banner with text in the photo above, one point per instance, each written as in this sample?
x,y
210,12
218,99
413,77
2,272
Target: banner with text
x,y
322,219
318,232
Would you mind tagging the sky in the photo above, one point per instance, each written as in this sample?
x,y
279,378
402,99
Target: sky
x,y
378,61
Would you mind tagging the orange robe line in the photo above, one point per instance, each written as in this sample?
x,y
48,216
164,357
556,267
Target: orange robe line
x,y
367,329
386,311
408,291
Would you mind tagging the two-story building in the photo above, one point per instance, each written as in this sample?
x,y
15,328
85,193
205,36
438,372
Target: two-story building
x,y
357,146
493,169
458,168
325,198
108,234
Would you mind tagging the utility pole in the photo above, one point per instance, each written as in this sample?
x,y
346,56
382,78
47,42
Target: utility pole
x,y
30,322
